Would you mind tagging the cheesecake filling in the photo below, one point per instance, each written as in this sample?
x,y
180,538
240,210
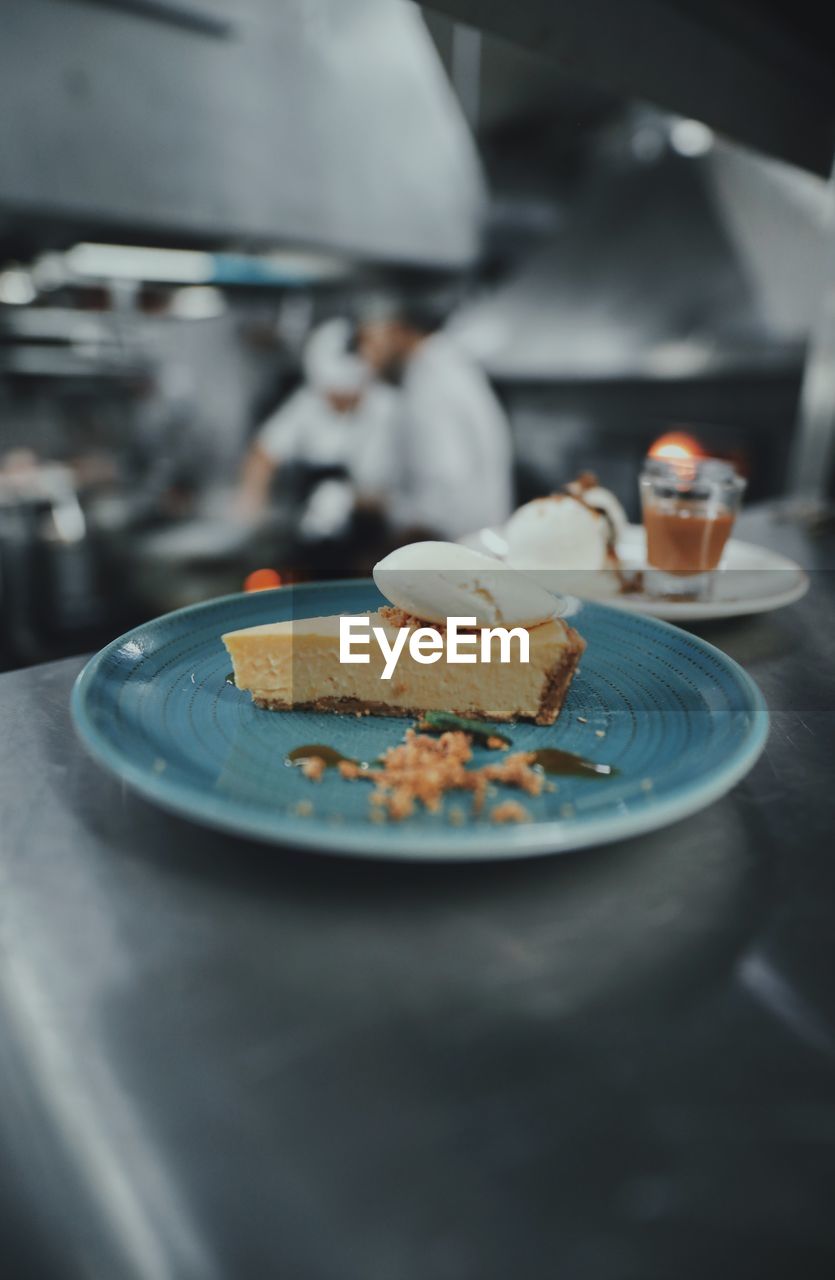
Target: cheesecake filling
x,y
303,670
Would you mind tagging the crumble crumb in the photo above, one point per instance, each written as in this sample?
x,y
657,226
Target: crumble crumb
x,y
457,816
509,811
585,480
516,771
422,768
400,618
582,719
496,744
304,808
600,733
313,768
479,785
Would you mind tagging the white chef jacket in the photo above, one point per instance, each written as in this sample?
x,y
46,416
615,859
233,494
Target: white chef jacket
x,y
306,429
456,455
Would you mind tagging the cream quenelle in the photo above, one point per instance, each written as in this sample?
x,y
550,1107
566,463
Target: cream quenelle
x,y
573,530
435,581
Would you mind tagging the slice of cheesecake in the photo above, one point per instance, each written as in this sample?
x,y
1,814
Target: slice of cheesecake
x,y
295,664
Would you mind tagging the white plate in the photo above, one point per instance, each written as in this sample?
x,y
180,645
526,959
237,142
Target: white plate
x,y
749,580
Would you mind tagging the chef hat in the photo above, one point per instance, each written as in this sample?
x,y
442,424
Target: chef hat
x,y
329,366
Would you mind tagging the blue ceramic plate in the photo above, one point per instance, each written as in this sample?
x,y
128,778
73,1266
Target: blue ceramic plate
x,y
681,722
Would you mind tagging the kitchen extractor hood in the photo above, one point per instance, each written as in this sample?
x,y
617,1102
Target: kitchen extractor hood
x,y
758,71
262,123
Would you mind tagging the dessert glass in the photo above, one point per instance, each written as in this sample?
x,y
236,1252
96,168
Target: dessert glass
x,y
689,507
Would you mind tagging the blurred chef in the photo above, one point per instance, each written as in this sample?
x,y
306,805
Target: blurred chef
x,y
340,420
455,455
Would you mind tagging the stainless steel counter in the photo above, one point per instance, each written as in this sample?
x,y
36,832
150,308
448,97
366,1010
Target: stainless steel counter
x,y
223,1060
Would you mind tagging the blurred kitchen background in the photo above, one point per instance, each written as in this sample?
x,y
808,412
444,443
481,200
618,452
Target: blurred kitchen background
x,y
188,188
